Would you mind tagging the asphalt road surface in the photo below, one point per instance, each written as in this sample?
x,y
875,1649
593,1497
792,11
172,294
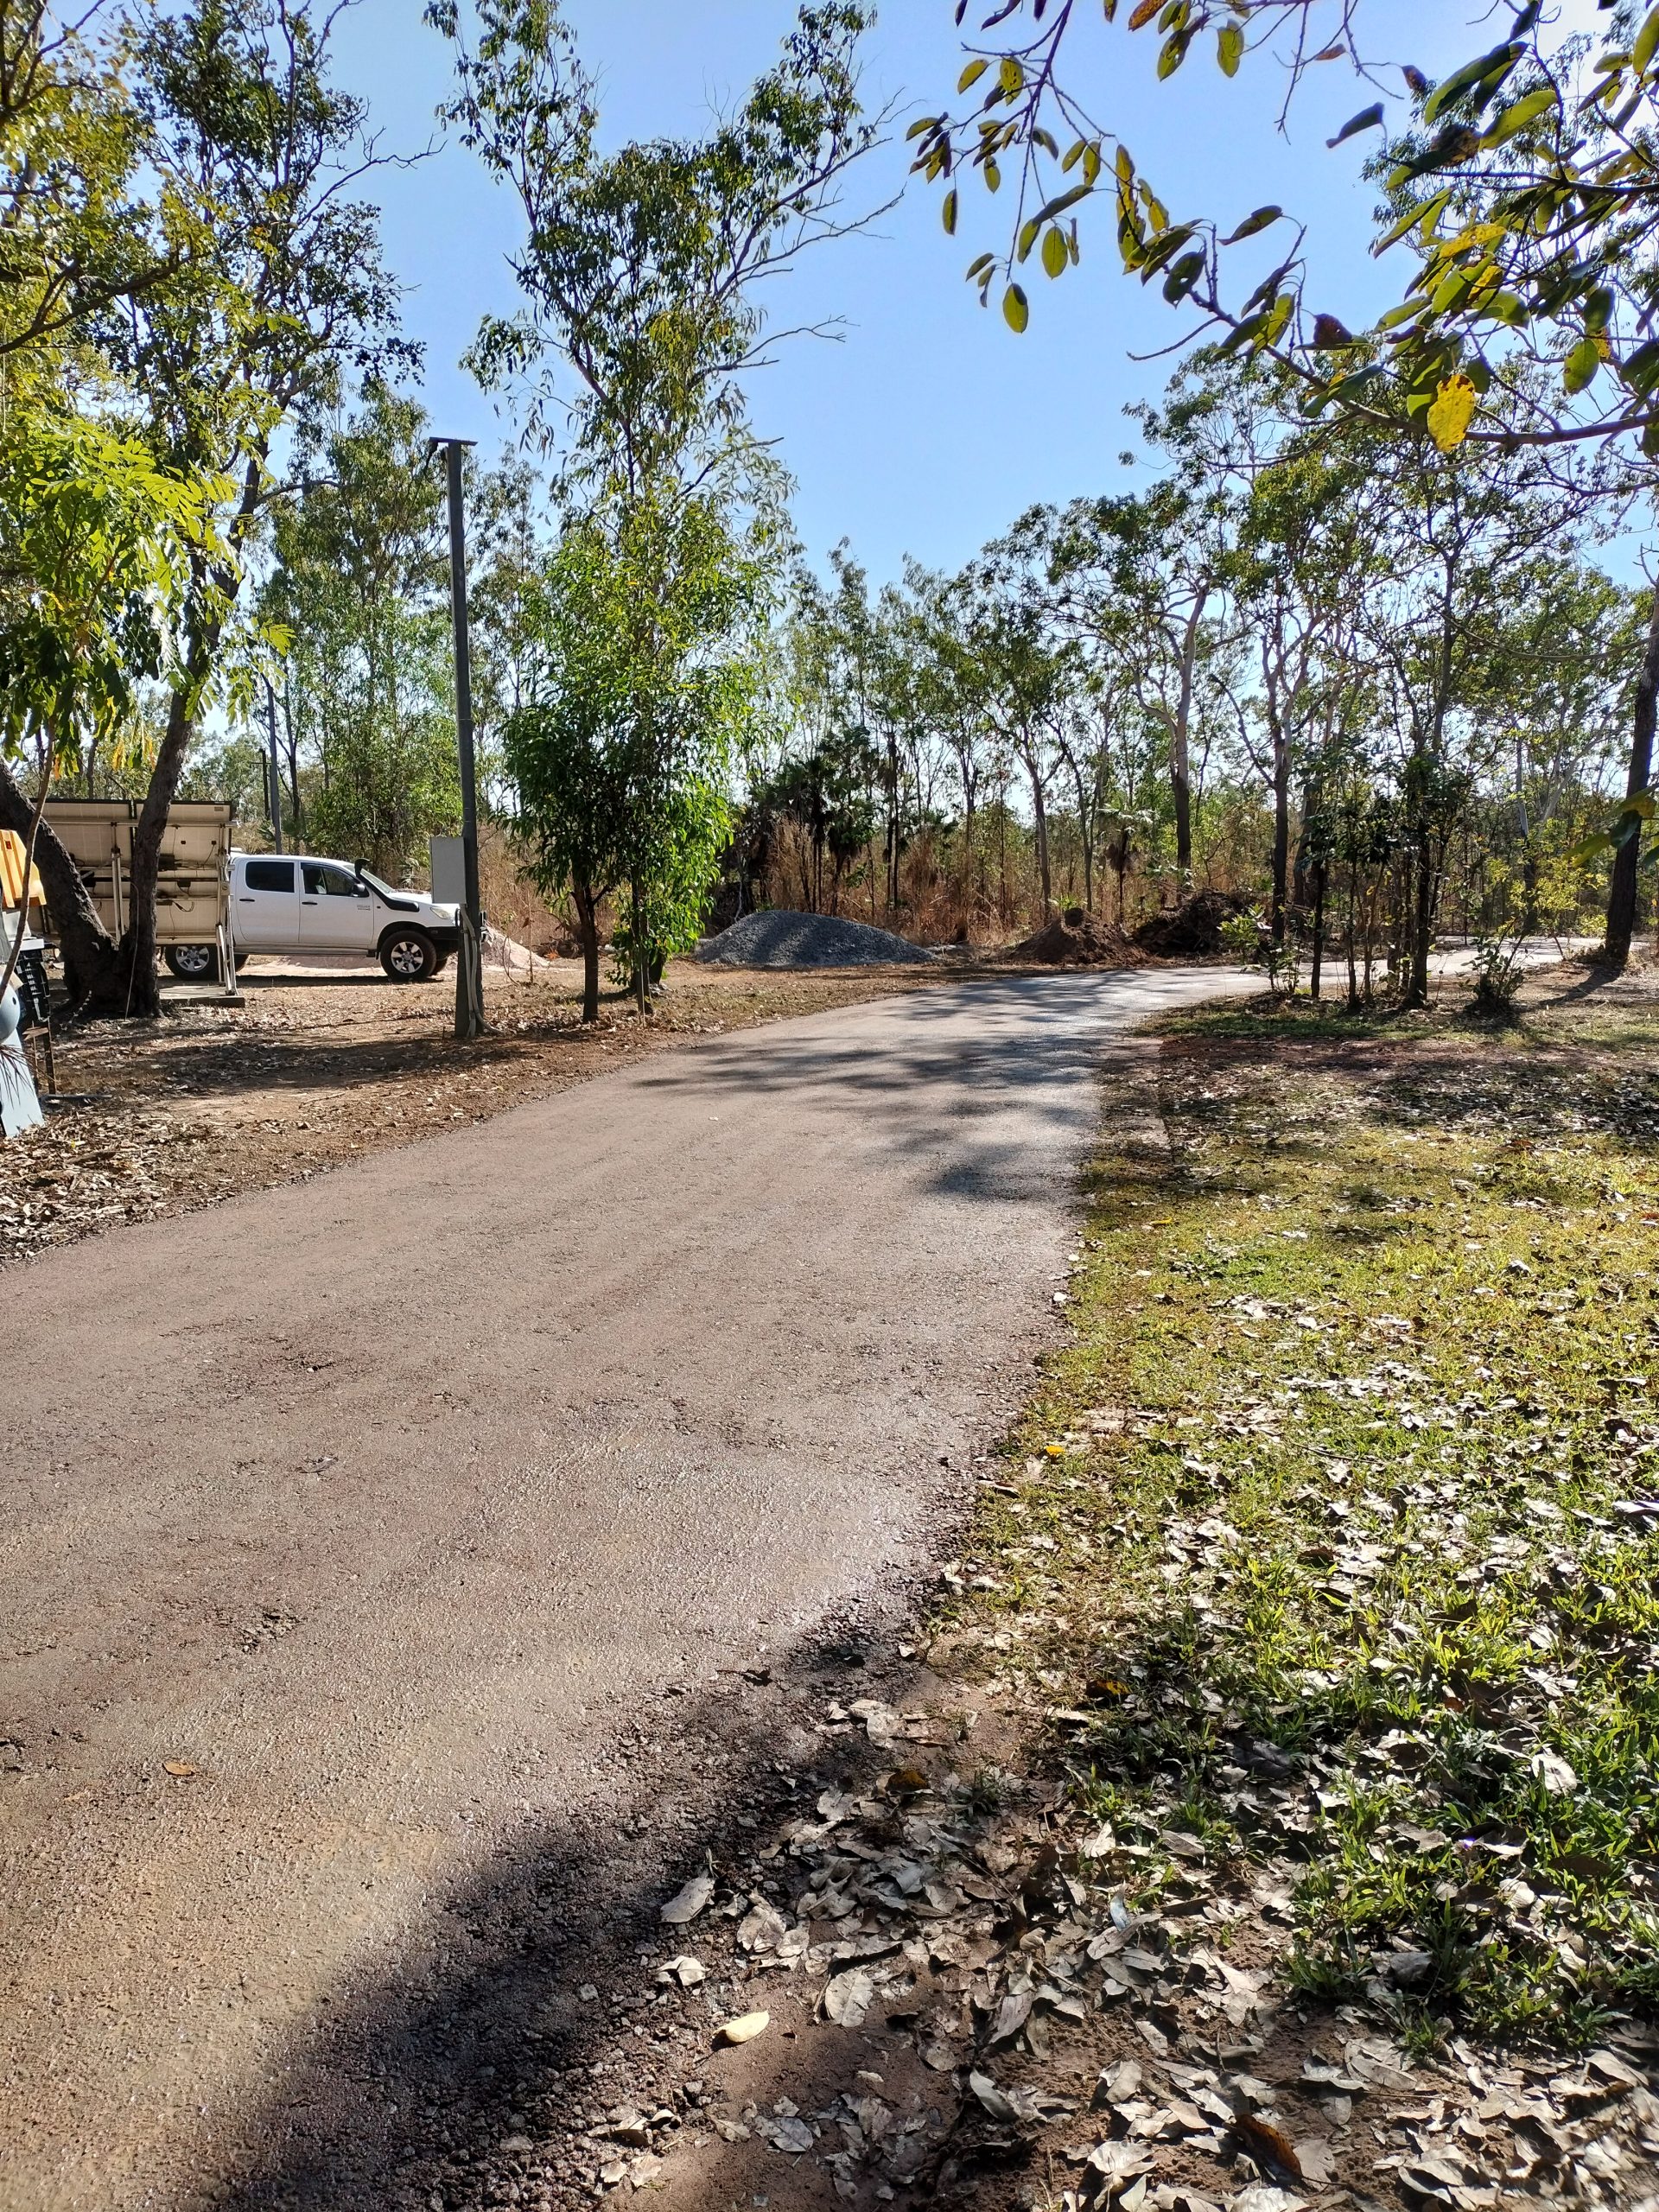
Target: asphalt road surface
x,y
346,1526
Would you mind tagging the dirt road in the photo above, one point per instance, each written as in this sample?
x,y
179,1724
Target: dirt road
x,y
358,1535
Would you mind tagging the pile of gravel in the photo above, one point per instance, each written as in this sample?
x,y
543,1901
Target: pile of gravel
x,y
784,939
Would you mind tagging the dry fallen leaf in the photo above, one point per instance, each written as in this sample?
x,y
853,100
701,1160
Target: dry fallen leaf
x,y
689,1903
990,2096
686,1970
179,1766
744,2028
1012,2015
1266,2146
1316,2160
847,1997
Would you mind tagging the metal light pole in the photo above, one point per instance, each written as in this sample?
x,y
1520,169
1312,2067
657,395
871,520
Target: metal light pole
x,y
276,776
469,963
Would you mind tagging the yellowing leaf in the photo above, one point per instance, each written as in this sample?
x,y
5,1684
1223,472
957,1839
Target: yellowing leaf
x,y
1453,411
972,74
744,2029
948,213
1016,308
1055,256
1230,43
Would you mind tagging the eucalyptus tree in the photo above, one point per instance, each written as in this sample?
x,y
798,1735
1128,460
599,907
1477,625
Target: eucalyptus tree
x,y
283,299
1518,192
1141,581
1030,672
1558,700
1457,534
954,696
640,278
360,584
592,814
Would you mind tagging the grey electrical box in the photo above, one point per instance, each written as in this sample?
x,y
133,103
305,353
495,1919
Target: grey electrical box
x,y
449,871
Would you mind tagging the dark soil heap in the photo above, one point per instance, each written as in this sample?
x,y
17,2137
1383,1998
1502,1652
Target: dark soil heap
x,y
1191,930
1079,939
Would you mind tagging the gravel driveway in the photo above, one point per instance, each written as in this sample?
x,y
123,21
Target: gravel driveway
x,y
351,1527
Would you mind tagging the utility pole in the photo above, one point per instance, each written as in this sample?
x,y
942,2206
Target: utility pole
x,y
275,778
469,962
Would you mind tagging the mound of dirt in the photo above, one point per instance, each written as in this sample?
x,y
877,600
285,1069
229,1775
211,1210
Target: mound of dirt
x,y
785,939
1190,931
1077,939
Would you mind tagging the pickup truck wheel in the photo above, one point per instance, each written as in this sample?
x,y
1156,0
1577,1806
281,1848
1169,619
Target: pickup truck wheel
x,y
409,956
191,963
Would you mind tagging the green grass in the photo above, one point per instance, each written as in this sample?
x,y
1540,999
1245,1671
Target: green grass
x,y
1341,1480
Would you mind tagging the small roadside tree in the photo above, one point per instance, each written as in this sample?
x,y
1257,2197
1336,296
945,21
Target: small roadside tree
x,y
639,685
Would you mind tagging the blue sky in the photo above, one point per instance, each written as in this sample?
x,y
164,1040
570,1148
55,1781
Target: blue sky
x,y
929,426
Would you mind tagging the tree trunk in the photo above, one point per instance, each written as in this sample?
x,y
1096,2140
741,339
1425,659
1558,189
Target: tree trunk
x,y
1422,924
1180,773
1621,897
893,825
641,962
1281,833
1041,813
1180,784
1319,927
587,905
91,961
142,988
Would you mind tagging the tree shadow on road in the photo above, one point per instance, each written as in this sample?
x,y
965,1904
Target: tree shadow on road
x,y
449,2077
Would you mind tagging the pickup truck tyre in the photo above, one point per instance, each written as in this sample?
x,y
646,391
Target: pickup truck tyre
x,y
193,963
409,956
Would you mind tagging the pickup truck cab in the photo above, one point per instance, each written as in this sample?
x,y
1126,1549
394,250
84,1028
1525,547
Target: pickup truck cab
x,y
283,902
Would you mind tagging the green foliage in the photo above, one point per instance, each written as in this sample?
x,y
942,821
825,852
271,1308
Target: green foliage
x,y
95,546
639,274
1521,185
360,586
639,684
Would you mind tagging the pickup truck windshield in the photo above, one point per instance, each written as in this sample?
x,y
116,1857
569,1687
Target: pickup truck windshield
x,y
375,884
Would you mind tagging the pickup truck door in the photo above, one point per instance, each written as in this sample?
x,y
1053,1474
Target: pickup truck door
x,y
267,914
336,913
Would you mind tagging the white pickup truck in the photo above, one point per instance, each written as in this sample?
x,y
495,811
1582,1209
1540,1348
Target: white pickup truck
x,y
281,903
